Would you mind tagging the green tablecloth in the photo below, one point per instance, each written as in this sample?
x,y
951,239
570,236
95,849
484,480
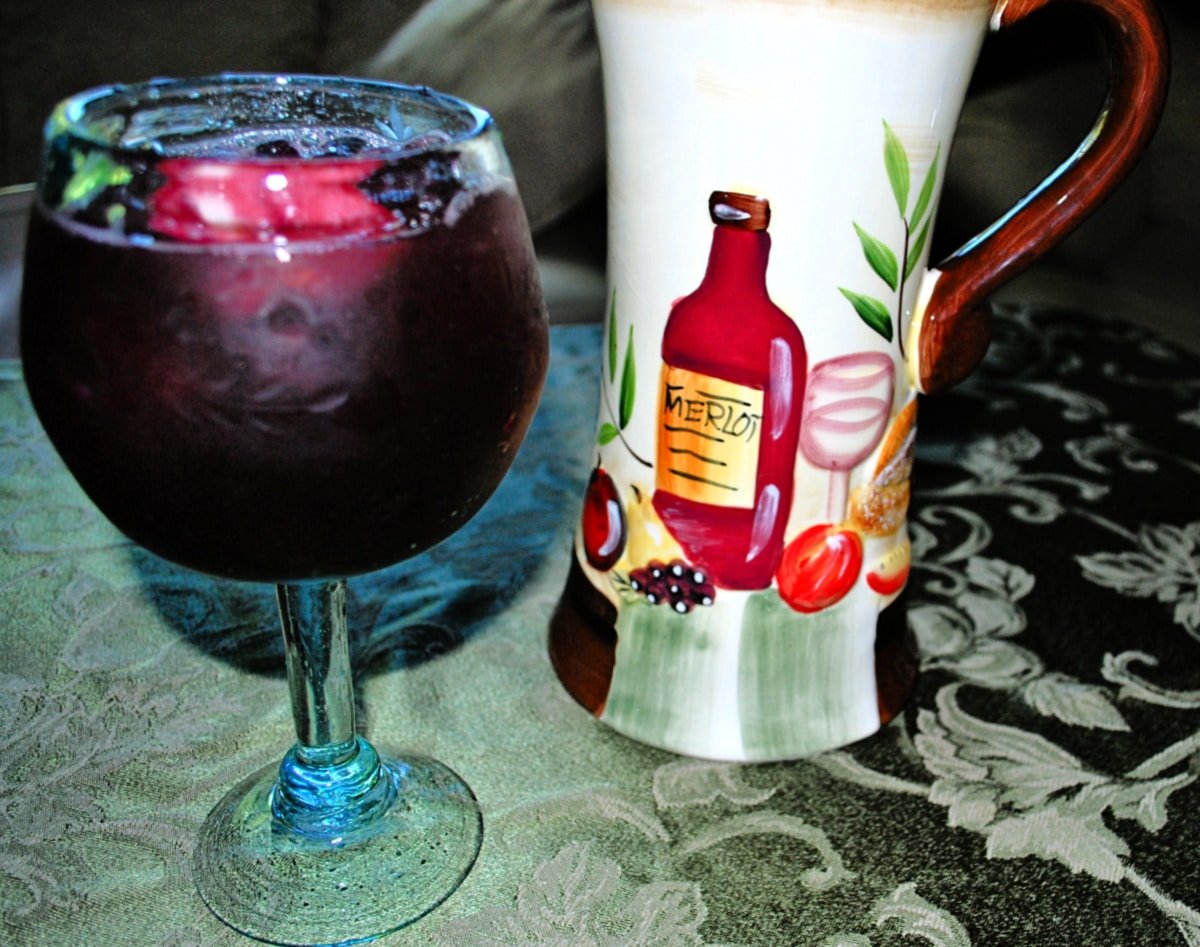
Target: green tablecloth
x,y
1040,789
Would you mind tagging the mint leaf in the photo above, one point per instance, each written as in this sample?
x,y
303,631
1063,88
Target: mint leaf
x,y
92,174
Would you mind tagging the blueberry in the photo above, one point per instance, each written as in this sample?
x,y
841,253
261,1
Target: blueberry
x,y
345,147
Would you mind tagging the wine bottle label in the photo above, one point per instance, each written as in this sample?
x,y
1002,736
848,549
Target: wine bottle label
x,y
708,438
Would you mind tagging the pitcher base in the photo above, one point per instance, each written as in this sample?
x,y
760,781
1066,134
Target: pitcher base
x,y
583,639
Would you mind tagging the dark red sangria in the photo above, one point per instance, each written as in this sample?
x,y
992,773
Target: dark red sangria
x,y
284,367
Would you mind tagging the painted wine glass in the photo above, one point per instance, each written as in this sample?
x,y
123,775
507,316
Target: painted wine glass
x,y
846,408
302,338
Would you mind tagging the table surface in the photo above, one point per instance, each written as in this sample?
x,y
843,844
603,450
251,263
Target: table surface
x,y
1041,787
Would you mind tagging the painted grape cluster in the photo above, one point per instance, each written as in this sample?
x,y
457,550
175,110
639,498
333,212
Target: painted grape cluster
x,y
674,583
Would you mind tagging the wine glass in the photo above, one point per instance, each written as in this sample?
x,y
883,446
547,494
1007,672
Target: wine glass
x,y
846,407
289,329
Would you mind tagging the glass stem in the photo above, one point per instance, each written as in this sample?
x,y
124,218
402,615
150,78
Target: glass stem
x,y
331,782
318,662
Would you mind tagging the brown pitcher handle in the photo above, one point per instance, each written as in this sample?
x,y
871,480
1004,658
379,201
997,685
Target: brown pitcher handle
x,y
954,321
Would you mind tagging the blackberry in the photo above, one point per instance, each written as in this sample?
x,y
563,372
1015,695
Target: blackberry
x,y
417,188
675,583
277,148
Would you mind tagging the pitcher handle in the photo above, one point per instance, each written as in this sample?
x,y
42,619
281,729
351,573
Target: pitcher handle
x,y
951,320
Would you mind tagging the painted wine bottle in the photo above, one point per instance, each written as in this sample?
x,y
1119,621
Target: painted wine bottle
x,y
730,402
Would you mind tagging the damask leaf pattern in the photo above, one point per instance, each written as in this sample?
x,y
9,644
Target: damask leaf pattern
x,y
1081,844
1166,567
1082,705
914,917
665,912
1005,579
1024,768
1086,451
1117,669
940,631
1028,796
846,940
999,458
59,750
566,890
604,804
764,822
1134,454
919,918
944,518
993,614
1145,801
922,537
844,766
966,635
994,664
1077,406
575,898
700,782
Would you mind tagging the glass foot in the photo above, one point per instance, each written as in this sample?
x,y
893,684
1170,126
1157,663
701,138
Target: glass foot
x,y
338,883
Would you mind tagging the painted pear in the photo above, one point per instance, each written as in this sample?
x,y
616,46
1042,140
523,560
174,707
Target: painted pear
x,y
648,537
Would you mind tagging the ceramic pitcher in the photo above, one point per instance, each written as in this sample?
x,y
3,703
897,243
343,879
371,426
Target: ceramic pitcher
x,y
775,168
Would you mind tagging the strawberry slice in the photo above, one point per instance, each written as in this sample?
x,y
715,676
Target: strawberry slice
x,y
207,201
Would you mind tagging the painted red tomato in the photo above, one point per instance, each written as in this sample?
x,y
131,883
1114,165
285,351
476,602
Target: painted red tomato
x,y
603,521
819,567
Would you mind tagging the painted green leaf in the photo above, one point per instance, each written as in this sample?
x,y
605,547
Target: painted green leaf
x,y
926,194
628,384
608,432
92,174
895,159
871,311
612,338
881,258
914,252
